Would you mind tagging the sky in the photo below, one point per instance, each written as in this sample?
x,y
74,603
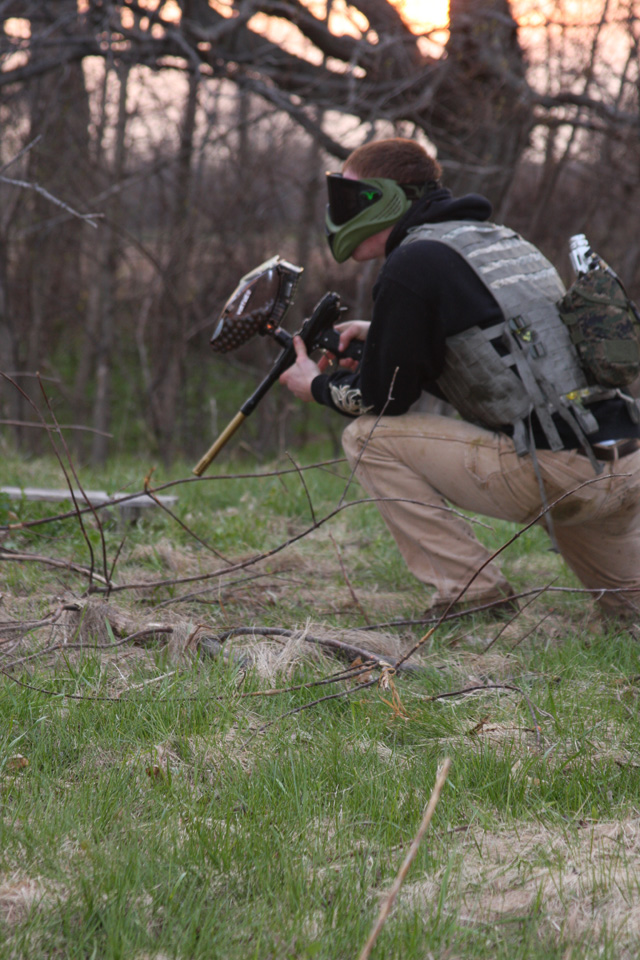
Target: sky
x,y
424,14
421,15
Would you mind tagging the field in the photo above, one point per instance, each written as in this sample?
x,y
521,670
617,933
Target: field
x,y
191,765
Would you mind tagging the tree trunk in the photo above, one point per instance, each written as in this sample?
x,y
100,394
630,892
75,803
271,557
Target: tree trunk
x,y
166,399
107,286
50,262
481,115
10,406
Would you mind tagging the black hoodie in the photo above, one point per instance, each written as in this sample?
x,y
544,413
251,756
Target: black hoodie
x,y
426,292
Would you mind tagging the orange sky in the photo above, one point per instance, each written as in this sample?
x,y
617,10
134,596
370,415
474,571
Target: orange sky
x,y
424,14
420,14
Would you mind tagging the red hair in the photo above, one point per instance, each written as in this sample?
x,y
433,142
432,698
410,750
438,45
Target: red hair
x,y
396,158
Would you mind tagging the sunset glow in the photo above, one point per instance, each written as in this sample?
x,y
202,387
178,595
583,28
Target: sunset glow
x,y
422,15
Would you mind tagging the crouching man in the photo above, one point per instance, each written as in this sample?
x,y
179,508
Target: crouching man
x,y
466,310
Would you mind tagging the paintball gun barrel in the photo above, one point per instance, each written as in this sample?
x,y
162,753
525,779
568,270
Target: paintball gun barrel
x,y
257,306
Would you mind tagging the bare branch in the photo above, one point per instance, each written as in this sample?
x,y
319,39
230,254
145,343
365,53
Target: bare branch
x,y
89,218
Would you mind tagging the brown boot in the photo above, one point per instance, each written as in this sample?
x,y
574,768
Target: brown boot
x,y
500,605
619,618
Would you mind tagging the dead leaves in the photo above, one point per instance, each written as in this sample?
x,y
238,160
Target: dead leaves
x,y
16,763
160,762
386,683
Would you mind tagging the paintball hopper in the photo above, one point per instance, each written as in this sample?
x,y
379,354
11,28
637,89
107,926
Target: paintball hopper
x,y
257,305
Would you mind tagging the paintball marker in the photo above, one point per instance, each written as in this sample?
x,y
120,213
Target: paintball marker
x,y
257,306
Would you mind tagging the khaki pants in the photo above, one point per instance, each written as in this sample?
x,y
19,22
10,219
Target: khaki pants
x,y
431,462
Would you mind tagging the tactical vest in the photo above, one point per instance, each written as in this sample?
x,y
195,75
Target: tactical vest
x,y
500,375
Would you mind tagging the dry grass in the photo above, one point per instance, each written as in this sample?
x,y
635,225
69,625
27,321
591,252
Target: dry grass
x,y
578,881
19,895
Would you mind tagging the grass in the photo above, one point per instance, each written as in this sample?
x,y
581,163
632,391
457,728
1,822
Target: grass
x,y
151,808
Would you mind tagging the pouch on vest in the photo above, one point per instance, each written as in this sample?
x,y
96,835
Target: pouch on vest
x,y
604,325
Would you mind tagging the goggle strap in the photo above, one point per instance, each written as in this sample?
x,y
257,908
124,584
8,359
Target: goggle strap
x,y
415,191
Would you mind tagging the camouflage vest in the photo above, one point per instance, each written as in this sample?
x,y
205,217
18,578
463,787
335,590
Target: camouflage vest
x,y
500,375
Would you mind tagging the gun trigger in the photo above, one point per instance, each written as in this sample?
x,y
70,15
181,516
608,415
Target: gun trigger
x,y
330,340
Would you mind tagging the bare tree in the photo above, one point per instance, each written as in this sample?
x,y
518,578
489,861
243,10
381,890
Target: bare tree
x,y
475,102
202,136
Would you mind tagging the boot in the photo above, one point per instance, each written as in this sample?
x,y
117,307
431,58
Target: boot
x,y
500,605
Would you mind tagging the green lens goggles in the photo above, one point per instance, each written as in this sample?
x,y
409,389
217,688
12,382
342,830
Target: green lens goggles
x,y
348,198
358,209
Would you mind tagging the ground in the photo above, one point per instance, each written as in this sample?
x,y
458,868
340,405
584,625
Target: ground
x,y
159,801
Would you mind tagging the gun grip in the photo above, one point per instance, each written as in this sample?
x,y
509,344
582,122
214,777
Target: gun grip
x,y
330,340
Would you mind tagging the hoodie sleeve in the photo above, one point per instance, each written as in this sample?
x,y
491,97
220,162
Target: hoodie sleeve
x,y
341,391
424,294
395,361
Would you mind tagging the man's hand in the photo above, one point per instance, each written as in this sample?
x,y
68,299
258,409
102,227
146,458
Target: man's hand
x,y
352,330
298,378
349,330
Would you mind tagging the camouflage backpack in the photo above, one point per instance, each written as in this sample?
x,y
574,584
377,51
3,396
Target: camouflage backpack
x,y
604,325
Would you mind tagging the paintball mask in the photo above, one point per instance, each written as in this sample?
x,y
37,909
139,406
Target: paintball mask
x,y
358,209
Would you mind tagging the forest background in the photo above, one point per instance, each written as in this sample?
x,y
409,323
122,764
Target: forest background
x,y
153,152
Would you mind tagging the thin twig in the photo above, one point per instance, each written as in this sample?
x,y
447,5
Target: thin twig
x,y
50,431
305,488
321,465
195,594
60,645
150,493
49,561
481,608
103,542
314,703
115,560
29,146
349,674
146,683
408,860
61,426
494,686
347,580
345,675
89,218
516,615
529,632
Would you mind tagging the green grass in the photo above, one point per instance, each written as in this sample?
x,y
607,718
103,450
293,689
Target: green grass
x,y
159,811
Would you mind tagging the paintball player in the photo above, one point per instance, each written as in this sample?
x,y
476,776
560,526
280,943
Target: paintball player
x,y
449,280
